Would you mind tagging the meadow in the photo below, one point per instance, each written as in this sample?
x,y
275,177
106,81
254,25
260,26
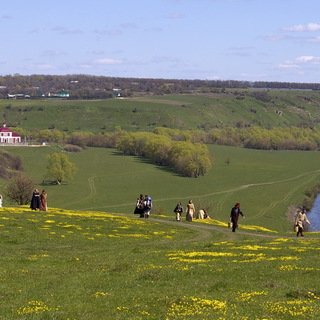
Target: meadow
x,y
266,108
90,257
266,183
84,265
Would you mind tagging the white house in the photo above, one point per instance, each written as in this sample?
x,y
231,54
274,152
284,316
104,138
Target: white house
x,y
7,136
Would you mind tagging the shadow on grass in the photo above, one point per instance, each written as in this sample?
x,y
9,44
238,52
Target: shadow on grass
x,y
143,160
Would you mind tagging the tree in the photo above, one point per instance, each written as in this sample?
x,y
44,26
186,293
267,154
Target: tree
x,y
20,188
59,167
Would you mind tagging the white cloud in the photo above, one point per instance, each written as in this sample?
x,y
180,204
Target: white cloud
x,y
313,40
85,66
310,27
305,58
107,61
299,62
288,65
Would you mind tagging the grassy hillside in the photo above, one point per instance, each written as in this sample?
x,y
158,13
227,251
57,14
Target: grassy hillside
x,y
265,182
264,108
84,265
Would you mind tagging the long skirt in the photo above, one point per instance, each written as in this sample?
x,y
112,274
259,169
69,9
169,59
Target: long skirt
x,y
189,216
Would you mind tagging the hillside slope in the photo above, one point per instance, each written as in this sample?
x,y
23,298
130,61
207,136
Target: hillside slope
x,y
266,108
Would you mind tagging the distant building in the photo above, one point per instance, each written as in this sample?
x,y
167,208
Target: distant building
x,y
7,136
59,94
63,94
116,93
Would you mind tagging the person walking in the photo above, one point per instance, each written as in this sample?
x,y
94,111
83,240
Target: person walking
x,y
1,198
190,211
147,206
300,221
234,216
178,210
139,209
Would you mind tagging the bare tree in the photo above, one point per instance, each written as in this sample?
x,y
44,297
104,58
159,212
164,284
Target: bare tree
x,y
20,188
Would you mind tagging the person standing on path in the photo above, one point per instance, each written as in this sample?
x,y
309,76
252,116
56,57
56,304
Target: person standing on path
x,y
190,211
147,206
234,216
178,210
300,220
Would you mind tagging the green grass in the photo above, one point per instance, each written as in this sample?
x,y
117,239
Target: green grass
x,y
185,111
105,263
89,265
265,182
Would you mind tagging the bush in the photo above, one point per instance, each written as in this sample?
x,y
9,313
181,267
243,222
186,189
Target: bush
x,y
72,148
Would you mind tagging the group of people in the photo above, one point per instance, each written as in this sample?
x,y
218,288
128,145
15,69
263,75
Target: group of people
x,y
143,206
190,211
39,200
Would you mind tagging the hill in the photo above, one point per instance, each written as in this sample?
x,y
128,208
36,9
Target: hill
x,y
239,108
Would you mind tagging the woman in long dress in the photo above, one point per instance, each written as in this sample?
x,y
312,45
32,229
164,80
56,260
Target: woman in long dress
x,y
43,201
35,200
190,211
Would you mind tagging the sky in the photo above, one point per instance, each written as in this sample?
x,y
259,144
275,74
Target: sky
x,y
250,40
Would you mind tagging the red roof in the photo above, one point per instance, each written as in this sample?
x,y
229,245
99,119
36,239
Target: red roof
x,y
5,129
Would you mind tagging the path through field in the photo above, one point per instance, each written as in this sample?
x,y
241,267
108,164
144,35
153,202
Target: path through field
x,y
91,195
225,194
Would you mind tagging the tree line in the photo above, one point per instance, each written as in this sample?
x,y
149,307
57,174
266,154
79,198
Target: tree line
x,y
254,137
83,86
184,151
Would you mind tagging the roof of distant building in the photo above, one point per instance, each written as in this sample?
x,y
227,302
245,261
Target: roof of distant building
x,y
4,128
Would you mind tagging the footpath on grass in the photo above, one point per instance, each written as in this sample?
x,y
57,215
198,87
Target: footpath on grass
x,y
210,227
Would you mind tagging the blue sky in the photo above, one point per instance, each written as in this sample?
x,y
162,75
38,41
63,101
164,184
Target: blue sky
x,y
253,40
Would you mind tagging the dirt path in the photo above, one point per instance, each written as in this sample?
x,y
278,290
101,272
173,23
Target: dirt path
x,y
285,198
206,230
93,192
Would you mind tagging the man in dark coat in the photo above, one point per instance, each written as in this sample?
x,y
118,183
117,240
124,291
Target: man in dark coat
x,y
234,216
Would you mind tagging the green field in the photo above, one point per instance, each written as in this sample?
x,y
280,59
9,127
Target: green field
x,y
266,108
265,182
85,265
90,258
